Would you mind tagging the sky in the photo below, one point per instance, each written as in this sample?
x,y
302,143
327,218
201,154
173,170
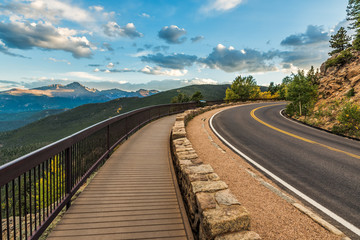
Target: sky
x,y
162,44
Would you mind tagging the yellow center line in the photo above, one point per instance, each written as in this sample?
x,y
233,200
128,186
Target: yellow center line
x,y
296,136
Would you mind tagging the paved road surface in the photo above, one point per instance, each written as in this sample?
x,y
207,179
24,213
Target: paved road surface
x,y
326,168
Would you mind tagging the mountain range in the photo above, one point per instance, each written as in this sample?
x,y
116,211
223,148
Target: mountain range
x,y
39,133
59,96
19,107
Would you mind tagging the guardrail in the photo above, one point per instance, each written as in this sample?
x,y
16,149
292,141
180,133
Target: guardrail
x,y
36,187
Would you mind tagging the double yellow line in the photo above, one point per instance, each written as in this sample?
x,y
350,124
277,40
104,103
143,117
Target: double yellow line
x,y
296,136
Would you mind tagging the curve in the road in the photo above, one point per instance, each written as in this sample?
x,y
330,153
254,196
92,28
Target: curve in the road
x,y
306,171
296,136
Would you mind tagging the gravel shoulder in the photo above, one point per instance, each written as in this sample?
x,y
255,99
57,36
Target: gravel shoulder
x,y
272,217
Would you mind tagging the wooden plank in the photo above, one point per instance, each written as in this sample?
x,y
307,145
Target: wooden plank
x,y
67,220
133,195
118,224
171,234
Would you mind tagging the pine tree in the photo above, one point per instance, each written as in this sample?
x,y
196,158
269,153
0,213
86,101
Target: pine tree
x,y
339,42
353,15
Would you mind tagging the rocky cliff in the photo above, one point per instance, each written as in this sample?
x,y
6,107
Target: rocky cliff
x,y
337,81
338,106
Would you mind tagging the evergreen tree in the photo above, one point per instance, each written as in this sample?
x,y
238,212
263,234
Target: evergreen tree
x,y
197,96
339,42
353,15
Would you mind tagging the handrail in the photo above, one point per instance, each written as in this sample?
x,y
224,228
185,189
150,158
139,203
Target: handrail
x,y
36,187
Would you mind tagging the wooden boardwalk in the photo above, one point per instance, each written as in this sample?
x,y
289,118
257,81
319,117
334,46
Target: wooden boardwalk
x,y
133,196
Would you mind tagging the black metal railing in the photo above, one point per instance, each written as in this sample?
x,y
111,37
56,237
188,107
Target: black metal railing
x,y
36,187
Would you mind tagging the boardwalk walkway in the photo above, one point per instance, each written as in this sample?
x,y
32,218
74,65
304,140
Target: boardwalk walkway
x,y
133,196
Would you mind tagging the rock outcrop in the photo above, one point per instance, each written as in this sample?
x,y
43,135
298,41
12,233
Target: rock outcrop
x,y
337,81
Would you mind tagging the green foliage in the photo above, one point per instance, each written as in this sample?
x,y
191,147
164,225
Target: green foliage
x,y
242,88
350,93
273,88
180,98
339,42
302,93
353,15
183,98
344,57
349,120
197,96
313,76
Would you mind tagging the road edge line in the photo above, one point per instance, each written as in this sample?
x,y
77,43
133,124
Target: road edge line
x,y
312,202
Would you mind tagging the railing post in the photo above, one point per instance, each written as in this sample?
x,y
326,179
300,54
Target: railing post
x,y
68,175
108,138
126,128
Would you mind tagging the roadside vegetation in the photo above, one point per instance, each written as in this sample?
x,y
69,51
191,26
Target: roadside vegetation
x,y
246,88
340,115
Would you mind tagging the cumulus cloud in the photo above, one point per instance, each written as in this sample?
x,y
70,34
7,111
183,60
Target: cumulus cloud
x,y
221,5
174,61
172,34
112,29
159,71
313,35
49,10
197,39
25,35
110,65
306,49
200,81
232,60
5,50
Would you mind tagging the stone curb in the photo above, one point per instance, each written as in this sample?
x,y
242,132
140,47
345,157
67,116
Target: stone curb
x,y
214,212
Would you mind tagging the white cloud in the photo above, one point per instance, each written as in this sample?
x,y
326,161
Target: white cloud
x,y
159,71
232,60
97,8
145,15
172,34
96,70
112,29
83,75
199,81
49,10
110,65
221,5
26,35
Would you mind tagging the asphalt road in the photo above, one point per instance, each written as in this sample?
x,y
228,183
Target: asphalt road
x,y
327,170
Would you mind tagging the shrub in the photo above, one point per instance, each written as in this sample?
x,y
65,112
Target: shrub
x,y
344,57
350,93
349,120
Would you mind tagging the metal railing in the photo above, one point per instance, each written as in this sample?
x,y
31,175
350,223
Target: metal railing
x,y
36,187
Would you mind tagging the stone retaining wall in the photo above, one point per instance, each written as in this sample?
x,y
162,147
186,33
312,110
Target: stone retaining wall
x,y
214,213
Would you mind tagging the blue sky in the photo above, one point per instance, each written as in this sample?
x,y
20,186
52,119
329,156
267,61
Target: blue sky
x,y
162,44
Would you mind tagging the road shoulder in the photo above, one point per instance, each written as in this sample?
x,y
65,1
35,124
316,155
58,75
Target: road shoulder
x,y
273,217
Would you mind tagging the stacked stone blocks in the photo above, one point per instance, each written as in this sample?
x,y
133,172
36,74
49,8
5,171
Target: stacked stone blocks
x,y
214,212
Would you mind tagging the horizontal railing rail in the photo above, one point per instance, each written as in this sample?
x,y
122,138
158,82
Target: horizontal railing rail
x,y
36,187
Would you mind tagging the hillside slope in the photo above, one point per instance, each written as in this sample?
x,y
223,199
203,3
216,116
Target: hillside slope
x,y
337,107
26,139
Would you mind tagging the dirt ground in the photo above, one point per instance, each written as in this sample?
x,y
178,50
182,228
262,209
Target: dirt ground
x,y
272,217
